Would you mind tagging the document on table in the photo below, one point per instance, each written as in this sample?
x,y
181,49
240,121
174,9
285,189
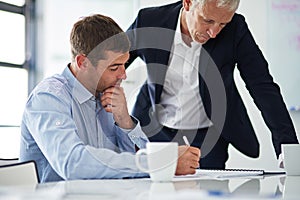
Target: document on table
x,y
229,172
226,173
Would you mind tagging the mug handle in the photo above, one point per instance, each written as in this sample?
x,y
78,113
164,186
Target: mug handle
x,y
137,159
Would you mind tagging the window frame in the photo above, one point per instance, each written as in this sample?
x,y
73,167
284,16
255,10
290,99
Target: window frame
x,y
28,10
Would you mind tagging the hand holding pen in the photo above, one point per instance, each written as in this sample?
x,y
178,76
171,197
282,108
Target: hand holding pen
x,y
188,158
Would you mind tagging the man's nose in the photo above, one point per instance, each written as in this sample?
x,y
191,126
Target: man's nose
x,y
122,75
214,30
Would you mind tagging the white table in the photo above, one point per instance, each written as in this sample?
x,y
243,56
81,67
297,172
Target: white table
x,y
267,187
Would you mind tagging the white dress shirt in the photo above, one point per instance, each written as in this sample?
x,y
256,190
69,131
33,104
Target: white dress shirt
x,y
180,99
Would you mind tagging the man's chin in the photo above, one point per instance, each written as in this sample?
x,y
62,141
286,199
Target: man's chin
x,y
112,86
118,84
201,39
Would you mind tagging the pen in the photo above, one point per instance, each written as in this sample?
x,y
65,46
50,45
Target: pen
x,y
186,141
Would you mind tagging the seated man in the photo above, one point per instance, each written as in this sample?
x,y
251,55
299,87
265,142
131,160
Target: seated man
x,y
76,125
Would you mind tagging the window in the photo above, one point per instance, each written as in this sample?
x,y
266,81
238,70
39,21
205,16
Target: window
x,y
14,70
12,49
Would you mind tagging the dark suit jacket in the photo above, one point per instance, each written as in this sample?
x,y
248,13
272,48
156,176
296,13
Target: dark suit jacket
x,y
152,34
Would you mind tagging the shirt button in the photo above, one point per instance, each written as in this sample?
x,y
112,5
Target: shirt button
x,y
57,123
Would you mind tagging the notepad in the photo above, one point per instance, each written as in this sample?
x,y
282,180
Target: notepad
x,y
227,173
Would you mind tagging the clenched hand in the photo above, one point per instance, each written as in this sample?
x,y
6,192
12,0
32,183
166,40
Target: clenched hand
x,y
188,160
113,100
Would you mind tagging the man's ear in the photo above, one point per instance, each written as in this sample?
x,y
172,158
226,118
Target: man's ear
x,y
187,4
82,61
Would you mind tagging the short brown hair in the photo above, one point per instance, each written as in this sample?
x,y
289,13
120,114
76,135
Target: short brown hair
x,y
95,34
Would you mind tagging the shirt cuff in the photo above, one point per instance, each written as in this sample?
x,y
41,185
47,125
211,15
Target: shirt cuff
x,y
137,136
280,161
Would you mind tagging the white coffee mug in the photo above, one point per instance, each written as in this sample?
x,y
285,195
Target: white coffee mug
x,y
161,159
291,160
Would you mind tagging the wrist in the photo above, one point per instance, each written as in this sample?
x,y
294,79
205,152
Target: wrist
x,y
127,123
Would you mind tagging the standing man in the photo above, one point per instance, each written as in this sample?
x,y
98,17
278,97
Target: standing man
x,y
191,49
76,125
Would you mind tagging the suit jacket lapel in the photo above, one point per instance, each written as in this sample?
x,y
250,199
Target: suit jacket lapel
x,y
163,56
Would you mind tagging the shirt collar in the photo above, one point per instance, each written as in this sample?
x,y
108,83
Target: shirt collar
x,y
178,39
78,90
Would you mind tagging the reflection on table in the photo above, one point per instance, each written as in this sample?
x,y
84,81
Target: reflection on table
x,y
268,187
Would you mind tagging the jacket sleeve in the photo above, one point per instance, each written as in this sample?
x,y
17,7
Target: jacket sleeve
x,y
265,92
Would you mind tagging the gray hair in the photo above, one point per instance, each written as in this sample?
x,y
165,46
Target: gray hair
x,y
232,5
